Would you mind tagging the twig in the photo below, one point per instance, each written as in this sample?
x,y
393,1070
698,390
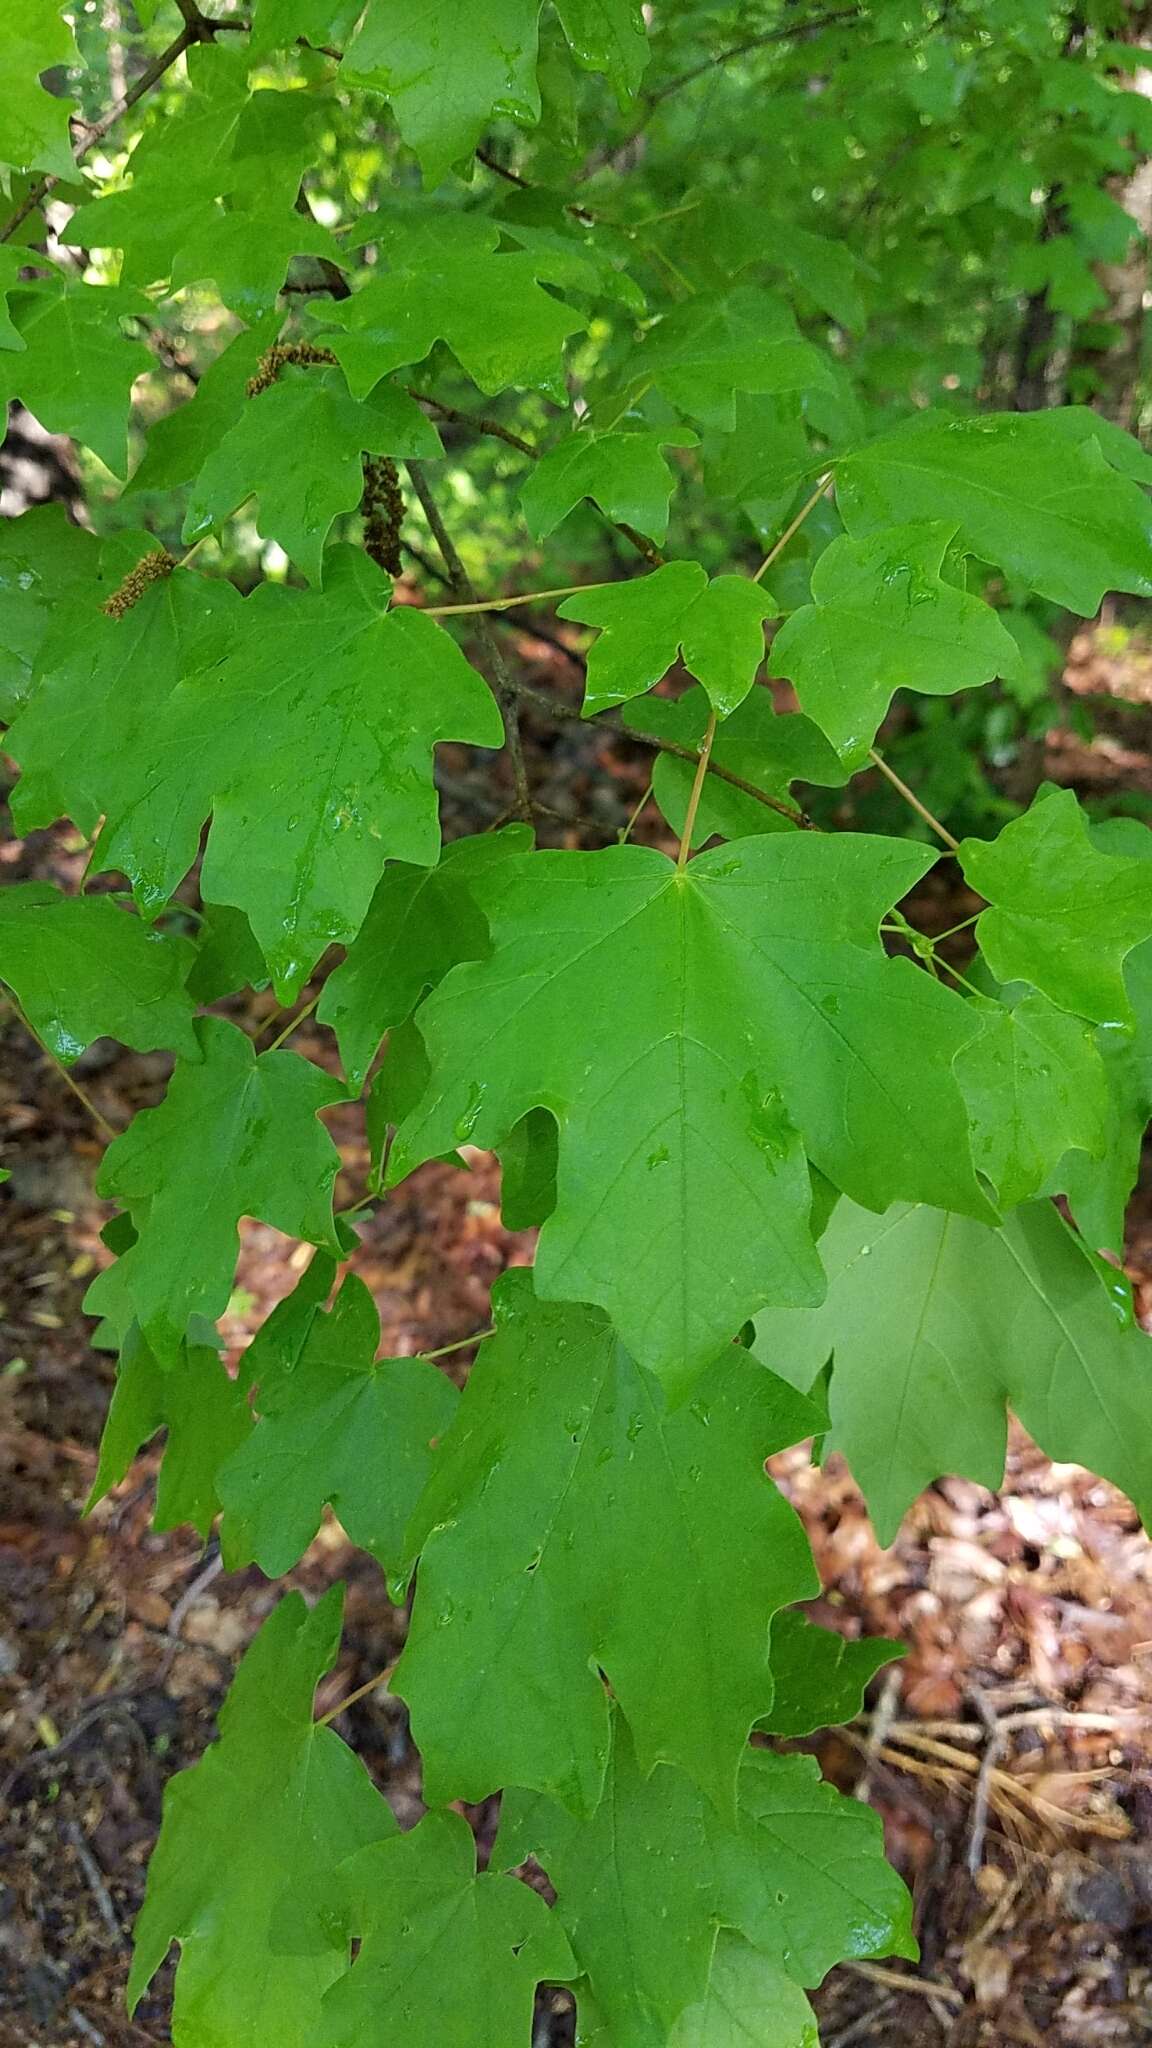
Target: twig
x,y
480,424
477,421
360,1693
183,1607
795,32
880,1722
193,32
502,171
95,1880
505,689
994,1747
685,846
895,1980
99,1119
555,707
910,797
863,2028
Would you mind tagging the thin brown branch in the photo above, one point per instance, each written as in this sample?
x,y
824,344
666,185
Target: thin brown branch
x,y
490,163
481,425
505,688
556,707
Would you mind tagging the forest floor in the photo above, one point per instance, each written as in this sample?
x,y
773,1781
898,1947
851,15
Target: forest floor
x,y
1010,1753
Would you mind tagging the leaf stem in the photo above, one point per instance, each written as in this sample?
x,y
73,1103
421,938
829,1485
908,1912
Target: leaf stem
x,y
625,832
461,1344
360,1693
778,547
506,604
290,1026
910,797
99,1119
697,788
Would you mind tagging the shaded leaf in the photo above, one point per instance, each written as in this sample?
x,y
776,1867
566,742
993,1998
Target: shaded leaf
x,y
936,1323
243,1876
83,968
572,1524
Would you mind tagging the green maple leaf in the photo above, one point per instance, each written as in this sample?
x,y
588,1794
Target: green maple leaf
x,y
704,352
227,956
935,1323
819,1677
323,23
571,1524
420,922
693,1032
205,1413
34,134
445,1955
446,284
717,623
1098,1188
446,77
749,2002
314,776
77,369
717,237
47,564
244,1873
12,262
762,462
188,1170
884,619
1064,916
1034,492
644,1885
770,750
101,698
82,969
1036,1087
626,474
222,143
298,448
340,1430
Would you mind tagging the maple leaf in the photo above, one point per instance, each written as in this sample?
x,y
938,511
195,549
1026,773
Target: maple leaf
x,y
304,425
1034,492
34,123
935,1323
420,922
83,969
243,1875
339,1429
717,622
1037,1088
883,619
625,473
701,354
760,1019
445,1954
77,368
312,778
644,1883
1064,916
188,1170
570,1525
205,1413
450,286
445,77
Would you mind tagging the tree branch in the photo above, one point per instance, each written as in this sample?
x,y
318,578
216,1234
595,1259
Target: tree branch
x,y
504,686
